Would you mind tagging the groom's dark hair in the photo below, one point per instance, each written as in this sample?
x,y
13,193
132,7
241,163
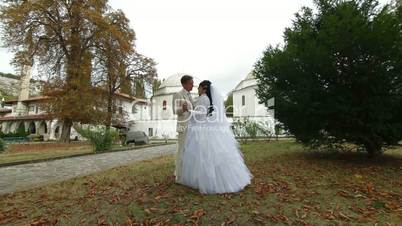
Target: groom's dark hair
x,y
185,79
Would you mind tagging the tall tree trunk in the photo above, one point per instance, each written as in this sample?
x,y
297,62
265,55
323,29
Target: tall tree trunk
x,y
72,85
109,115
373,148
111,91
66,131
73,65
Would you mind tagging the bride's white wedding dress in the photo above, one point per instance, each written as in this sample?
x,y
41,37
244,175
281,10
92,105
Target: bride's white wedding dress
x,y
212,161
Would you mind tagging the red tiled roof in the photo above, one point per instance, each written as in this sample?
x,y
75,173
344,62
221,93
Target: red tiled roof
x,y
25,117
44,98
124,95
38,98
4,110
10,101
127,96
32,99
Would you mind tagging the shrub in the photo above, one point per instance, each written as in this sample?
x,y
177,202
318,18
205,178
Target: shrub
x,y
101,138
252,129
2,145
265,130
239,129
19,133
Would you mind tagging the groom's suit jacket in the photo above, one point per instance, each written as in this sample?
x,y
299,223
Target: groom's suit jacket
x,y
182,117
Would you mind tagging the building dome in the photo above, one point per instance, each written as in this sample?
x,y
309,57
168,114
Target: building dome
x,y
174,80
249,81
172,84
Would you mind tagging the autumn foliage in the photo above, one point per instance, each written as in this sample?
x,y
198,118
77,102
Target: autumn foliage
x,y
78,46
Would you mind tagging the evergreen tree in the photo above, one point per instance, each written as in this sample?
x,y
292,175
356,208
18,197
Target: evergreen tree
x,y
338,77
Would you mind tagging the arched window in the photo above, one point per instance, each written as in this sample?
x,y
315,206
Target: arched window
x,y
134,109
32,128
42,128
57,132
243,100
21,128
164,104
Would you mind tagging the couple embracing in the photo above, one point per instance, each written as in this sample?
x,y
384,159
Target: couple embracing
x,y
208,157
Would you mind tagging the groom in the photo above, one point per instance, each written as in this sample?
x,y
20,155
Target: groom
x,y
182,103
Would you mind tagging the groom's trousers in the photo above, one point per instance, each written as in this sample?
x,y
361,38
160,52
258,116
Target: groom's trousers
x,y
179,154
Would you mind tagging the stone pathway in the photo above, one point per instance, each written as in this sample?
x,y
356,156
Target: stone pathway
x,y
27,176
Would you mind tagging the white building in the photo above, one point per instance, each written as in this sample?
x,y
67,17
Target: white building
x,y
246,104
155,117
161,121
36,121
27,112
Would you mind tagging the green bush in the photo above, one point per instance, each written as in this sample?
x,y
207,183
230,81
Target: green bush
x,y
101,139
265,130
252,129
19,133
245,129
2,145
239,129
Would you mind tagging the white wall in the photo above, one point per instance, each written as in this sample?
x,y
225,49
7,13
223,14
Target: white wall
x,y
157,107
143,110
253,110
160,128
250,102
37,109
252,106
52,125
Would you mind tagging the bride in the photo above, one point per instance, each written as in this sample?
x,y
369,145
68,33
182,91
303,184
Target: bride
x,y
212,161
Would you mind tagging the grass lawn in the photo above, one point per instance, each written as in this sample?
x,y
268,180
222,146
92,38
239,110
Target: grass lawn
x,y
37,151
17,153
290,187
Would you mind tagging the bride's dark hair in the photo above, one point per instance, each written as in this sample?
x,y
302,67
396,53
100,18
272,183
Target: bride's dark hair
x,y
206,85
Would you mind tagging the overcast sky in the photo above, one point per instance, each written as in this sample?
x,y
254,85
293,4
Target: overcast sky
x,y
217,40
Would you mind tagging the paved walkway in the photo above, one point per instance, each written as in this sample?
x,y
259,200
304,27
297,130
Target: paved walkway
x,y
27,176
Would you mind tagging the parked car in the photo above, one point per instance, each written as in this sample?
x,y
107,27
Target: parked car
x,y
136,137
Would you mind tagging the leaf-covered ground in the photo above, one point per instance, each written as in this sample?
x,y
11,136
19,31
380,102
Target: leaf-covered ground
x,y
290,187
